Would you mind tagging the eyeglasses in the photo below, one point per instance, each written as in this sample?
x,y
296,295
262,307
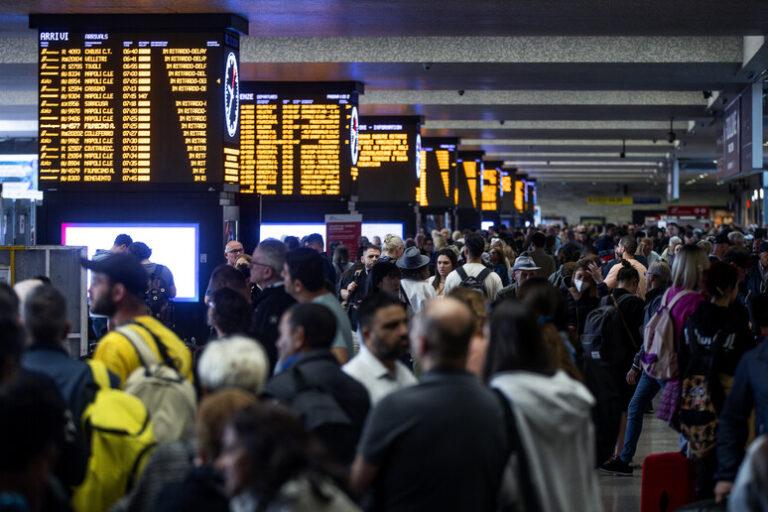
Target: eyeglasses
x,y
234,251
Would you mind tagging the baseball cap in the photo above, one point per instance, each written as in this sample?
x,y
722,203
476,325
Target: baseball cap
x,y
121,268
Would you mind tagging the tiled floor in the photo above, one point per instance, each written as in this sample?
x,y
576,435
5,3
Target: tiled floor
x,y
622,493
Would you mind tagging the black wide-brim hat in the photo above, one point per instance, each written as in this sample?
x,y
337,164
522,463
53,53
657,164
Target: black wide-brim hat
x,y
412,259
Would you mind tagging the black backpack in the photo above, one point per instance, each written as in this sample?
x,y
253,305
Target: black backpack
x,y
477,282
607,338
157,298
324,417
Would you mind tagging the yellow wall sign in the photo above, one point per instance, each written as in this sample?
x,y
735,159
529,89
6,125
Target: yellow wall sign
x,y
609,200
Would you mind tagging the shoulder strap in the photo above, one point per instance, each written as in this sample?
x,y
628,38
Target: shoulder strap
x,y
146,356
462,273
483,274
527,488
624,322
156,273
678,297
100,374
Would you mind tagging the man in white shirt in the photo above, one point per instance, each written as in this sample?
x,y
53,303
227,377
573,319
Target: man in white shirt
x,y
384,329
474,247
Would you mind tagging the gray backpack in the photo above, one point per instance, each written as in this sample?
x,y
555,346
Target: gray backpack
x,y
168,395
477,282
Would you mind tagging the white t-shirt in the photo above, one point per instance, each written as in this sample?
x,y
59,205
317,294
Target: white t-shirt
x,y
492,282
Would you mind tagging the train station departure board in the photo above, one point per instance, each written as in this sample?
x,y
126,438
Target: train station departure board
x,y
298,139
469,170
507,193
490,186
119,107
437,179
388,167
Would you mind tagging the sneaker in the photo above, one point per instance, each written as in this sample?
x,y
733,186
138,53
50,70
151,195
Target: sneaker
x,y
617,467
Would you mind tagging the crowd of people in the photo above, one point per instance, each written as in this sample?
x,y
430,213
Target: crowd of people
x,y
466,370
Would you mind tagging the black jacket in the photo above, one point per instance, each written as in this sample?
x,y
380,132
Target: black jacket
x,y
268,307
202,489
320,370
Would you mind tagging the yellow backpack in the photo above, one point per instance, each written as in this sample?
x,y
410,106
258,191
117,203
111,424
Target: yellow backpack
x,y
118,433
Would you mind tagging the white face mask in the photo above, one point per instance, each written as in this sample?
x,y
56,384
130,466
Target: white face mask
x,y
579,284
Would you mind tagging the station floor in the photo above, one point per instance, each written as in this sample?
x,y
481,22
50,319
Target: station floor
x,y
622,493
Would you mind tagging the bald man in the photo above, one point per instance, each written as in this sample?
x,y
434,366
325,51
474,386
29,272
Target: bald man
x,y
416,438
232,251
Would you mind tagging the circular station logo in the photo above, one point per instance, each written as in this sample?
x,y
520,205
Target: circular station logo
x,y
354,131
231,94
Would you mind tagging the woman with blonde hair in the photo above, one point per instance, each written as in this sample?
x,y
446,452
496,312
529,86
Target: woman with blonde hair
x,y
682,298
392,248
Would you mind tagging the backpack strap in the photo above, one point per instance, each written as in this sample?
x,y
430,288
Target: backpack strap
x,y
462,273
146,356
623,321
100,374
527,489
156,273
484,274
677,297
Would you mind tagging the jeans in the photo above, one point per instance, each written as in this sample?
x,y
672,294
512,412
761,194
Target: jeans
x,y
645,391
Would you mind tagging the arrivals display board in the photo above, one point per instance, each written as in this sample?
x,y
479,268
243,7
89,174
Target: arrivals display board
x,y
298,138
138,99
437,178
490,186
389,166
469,171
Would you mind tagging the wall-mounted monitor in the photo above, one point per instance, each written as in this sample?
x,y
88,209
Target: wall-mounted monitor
x,y
437,180
389,167
132,100
174,245
298,138
469,171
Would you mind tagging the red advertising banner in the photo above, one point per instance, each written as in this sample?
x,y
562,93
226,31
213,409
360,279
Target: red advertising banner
x,y
688,211
343,229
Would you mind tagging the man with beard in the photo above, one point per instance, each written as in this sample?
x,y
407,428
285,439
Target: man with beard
x,y
384,328
117,290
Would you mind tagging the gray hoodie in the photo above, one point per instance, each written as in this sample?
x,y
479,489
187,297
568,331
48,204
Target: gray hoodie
x,y
553,416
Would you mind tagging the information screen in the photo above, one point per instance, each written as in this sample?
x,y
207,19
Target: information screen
x,y
507,192
437,179
298,139
174,245
469,170
389,166
490,186
120,108
520,195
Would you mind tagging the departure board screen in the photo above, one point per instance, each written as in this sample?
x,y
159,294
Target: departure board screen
x,y
469,170
298,139
389,166
520,195
507,192
437,179
490,186
117,108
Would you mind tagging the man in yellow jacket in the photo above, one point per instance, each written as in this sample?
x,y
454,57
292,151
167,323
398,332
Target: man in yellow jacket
x,y
117,290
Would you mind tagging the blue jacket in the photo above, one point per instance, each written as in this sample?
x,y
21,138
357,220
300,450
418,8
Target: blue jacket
x,y
750,389
72,377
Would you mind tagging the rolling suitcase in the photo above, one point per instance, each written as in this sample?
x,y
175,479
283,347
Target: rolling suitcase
x,y
669,482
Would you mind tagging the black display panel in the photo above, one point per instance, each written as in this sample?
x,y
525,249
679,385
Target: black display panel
x,y
507,191
298,138
388,167
437,177
469,169
490,186
118,108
